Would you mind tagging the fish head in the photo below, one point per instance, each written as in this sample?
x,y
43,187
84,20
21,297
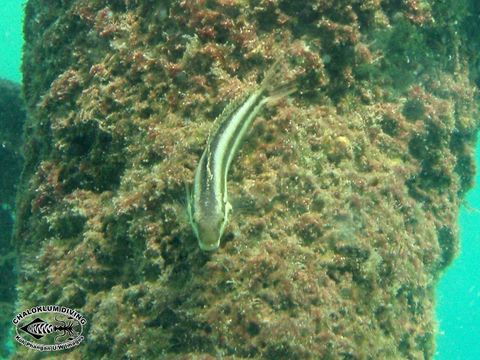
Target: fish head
x,y
210,231
209,228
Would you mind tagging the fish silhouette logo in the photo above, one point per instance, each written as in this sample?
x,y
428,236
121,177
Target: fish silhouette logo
x,y
49,328
39,328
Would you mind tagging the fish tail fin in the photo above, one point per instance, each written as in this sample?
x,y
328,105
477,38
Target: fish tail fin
x,y
281,92
274,84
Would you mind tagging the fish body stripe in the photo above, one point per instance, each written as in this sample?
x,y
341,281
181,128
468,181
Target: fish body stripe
x,y
237,139
225,144
208,205
211,177
41,328
210,200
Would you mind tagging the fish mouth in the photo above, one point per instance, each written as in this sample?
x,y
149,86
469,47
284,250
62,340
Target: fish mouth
x,y
209,247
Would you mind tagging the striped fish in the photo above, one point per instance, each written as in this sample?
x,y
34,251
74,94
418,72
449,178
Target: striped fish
x,y
208,206
38,328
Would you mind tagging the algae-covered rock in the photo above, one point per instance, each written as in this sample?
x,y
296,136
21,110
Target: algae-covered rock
x,y
345,195
12,117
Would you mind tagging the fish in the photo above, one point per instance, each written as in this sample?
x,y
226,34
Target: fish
x,y
39,328
207,203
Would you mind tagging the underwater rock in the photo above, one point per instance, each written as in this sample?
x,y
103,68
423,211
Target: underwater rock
x,y
345,195
12,117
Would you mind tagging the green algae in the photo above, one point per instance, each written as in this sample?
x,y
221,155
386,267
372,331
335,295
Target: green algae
x,y
353,184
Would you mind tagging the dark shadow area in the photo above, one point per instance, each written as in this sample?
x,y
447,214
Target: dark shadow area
x,y
12,117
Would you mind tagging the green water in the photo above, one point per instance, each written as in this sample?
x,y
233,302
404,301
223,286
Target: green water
x,y
11,17
458,294
11,40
